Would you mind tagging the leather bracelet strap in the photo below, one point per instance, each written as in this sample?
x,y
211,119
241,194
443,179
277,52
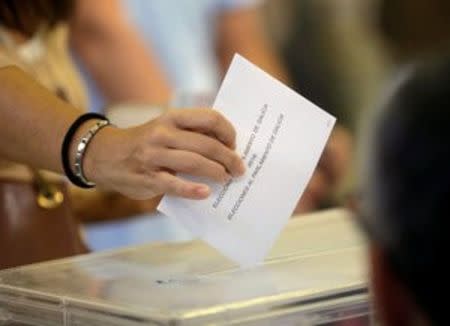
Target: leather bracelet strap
x,y
65,149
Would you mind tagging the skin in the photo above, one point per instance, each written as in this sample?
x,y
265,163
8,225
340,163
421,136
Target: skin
x,y
139,162
100,27
243,31
332,168
120,63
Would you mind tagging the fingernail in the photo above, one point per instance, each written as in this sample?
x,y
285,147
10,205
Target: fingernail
x,y
202,190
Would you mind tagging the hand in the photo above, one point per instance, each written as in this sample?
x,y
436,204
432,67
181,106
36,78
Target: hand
x,y
337,156
317,189
141,162
332,168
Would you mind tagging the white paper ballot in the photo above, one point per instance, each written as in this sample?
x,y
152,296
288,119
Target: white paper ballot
x,y
280,137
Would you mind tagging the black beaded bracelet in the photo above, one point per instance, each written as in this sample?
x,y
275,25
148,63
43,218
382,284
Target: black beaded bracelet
x,y
65,149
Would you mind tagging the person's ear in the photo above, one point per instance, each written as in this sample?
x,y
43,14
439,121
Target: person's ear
x,y
393,305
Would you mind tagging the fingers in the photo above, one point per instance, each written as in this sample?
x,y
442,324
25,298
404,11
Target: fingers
x,y
313,195
305,205
336,158
209,148
176,186
206,121
318,187
195,142
191,163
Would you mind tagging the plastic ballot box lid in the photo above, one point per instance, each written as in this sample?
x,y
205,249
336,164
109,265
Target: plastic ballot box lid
x,y
314,275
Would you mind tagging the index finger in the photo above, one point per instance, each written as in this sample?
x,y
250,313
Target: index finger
x,y
206,121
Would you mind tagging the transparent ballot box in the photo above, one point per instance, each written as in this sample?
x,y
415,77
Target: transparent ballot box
x,y
315,275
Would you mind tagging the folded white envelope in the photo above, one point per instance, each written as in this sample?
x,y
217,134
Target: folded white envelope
x,y
280,136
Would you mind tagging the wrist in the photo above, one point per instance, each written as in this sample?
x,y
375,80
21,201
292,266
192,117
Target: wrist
x,y
75,144
99,154
81,131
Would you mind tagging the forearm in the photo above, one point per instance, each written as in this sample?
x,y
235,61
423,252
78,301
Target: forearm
x,y
122,66
243,31
135,161
33,121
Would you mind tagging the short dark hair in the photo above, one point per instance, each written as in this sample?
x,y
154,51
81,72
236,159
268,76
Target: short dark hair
x,y
409,186
27,16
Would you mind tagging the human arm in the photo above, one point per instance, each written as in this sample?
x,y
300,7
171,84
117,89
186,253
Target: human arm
x,y
123,67
33,121
331,171
242,30
138,162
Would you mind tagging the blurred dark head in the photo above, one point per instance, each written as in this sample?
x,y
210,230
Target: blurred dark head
x,y
415,27
27,16
407,205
